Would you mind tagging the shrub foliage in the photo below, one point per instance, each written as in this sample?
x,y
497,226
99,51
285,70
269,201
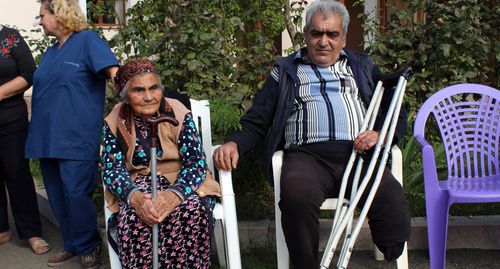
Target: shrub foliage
x,y
453,42
222,50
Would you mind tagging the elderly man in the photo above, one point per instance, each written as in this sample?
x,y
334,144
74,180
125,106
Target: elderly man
x,y
312,105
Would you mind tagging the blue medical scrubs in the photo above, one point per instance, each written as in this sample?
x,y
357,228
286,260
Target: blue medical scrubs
x,y
67,114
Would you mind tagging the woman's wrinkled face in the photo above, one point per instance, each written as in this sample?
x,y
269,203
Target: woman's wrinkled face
x,y
144,94
48,21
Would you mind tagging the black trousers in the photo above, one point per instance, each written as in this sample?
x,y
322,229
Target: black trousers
x,y
311,174
15,176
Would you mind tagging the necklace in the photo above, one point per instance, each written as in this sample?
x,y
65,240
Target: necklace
x,y
64,39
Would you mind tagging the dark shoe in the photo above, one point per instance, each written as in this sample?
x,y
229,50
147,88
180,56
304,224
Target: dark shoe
x,y
60,258
91,260
391,253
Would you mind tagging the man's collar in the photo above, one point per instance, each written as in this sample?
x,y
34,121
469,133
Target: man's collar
x,y
302,53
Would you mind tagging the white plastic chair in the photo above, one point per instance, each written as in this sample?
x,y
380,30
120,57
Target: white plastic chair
x,y
283,257
226,227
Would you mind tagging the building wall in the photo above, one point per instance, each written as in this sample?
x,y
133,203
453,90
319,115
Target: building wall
x,y
19,13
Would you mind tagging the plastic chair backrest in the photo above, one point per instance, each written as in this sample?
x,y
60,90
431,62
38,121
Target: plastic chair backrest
x,y
201,117
467,116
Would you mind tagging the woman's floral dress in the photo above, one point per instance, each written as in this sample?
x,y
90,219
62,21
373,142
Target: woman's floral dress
x,y
184,236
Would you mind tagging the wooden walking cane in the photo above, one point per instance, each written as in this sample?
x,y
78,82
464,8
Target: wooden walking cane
x,y
154,122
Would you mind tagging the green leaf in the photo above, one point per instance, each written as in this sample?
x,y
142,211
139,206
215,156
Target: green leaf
x,y
192,65
445,48
191,55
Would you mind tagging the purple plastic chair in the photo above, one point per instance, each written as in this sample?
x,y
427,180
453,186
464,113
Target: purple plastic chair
x,y
468,117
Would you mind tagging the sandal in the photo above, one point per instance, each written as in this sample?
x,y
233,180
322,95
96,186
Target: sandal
x,y
6,237
38,245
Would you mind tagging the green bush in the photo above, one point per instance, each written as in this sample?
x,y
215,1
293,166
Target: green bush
x,y
217,50
456,42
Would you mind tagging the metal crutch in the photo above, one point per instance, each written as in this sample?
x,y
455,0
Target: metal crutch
x,y
341,221
154,122
344,216
347,217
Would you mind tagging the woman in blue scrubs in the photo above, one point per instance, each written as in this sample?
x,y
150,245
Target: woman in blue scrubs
x,y
67,114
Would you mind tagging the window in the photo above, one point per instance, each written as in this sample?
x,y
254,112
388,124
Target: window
x,y
107,12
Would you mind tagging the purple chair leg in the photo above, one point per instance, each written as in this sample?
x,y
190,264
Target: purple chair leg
x,y
437,228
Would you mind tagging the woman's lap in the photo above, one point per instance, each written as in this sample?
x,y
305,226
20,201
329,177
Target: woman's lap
x,y
184,237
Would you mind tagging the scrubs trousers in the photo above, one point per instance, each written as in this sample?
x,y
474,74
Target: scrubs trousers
x,y
70,185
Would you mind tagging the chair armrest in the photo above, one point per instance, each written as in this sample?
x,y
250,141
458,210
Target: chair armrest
x,y
229,216
422,142
277,162
225,178
397,164
428,163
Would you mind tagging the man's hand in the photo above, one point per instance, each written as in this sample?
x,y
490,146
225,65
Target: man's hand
x,y
226,156
165,203
366,141
144,207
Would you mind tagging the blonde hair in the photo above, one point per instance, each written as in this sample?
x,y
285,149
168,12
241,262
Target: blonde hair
x,y
68,14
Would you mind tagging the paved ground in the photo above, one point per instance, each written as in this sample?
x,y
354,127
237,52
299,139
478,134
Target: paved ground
x,y
16,255
455,259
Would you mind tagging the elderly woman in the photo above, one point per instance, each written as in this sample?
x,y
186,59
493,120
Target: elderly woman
x,y
183,207
66,124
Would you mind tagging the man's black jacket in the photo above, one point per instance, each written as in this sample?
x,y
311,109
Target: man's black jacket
x,y
273,104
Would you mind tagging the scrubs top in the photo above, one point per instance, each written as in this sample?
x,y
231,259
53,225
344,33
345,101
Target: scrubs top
x,y
68,99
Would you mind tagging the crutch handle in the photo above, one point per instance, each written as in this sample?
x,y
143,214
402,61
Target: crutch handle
x,y
391,79
153,122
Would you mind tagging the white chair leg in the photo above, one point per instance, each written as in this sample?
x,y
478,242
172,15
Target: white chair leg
x,y
377,254
403,259
281,248
219,243
230,222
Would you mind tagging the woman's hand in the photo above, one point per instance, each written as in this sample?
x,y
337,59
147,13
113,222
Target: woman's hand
x,y
165,203
143,205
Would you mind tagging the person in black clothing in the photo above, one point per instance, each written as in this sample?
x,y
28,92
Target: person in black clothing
x,y
16,72
312,106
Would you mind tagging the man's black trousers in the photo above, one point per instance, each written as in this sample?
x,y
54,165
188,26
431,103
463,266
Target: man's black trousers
x,y
313,173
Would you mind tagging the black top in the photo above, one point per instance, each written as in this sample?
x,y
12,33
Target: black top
x,y
15,60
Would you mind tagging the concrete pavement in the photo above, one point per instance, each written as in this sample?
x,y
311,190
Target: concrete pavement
x,y
16,255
